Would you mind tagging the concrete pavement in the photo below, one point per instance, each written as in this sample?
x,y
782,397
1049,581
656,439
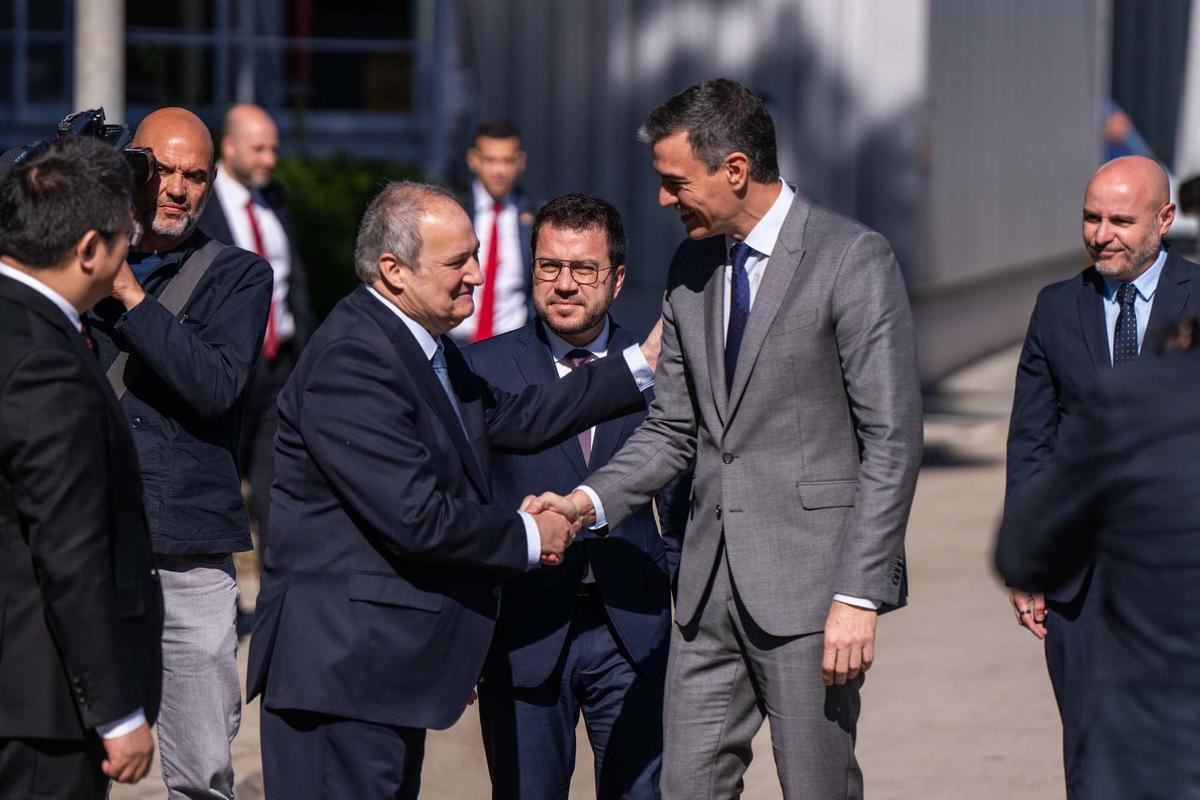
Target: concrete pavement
x,y
958,705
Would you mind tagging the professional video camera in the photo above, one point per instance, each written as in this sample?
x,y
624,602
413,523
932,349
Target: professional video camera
x,y
91,123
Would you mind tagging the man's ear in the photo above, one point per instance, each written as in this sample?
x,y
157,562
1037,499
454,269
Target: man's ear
x,y
473,160
737,170
1166,216
619,277
520,162
392,272
87,250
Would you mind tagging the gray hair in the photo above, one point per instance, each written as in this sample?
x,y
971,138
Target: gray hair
x,y
392,224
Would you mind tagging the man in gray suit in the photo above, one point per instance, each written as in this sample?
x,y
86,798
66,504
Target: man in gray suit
x,y
788,370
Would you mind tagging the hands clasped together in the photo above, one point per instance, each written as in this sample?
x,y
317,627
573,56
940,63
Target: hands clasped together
x,y
559,520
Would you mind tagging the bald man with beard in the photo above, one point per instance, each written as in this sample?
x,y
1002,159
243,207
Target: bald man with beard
x,y
180,375
1089,326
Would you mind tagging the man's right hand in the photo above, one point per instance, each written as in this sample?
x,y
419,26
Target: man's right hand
x,y
127,758
557,523
1030,610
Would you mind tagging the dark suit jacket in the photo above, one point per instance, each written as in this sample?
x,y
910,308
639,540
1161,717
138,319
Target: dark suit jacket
x,y
184,403
215,225
632,565
1065,350
80,605
1124,487
381,576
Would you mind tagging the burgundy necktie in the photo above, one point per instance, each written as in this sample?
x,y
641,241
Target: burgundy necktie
x,y
87,335
484,324
575,359
271,338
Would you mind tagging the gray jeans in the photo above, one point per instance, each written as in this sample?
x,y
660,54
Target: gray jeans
x,y
201,698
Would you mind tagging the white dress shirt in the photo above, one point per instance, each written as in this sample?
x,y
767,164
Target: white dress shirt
x,y
233,197
1143,302
510,306
761,239
137,719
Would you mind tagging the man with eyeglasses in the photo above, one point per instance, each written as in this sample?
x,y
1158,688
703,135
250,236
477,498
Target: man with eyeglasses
x,y
590,636
179,360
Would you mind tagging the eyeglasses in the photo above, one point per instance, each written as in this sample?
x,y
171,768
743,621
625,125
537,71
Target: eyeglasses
x,y
585,273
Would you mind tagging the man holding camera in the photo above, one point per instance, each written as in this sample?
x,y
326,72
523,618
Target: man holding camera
x,y
81,608
179,338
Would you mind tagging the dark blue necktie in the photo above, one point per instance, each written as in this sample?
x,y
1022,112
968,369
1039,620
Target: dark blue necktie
x,y
739,309
1125,340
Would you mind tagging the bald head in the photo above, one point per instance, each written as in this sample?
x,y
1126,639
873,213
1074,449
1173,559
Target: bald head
x,y
1127,210
248,144
169,205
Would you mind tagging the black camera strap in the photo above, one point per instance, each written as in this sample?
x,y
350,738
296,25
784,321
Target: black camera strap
x,y
173,298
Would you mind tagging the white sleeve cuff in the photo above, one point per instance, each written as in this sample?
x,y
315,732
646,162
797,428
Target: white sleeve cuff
x,y
122,726
597,506
857,601
639,366
533,540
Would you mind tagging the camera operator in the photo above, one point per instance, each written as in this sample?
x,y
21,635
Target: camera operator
x,y
80,603
179,357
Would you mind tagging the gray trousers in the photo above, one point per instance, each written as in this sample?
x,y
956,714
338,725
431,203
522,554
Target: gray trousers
x,y
724,676
201,698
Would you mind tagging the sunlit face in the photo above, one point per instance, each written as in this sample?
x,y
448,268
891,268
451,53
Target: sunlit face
x,y
572,310
248,152
497,163
437,293
170,204
706,202
1123,225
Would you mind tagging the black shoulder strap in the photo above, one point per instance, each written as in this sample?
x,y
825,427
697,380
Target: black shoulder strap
x,y
173,298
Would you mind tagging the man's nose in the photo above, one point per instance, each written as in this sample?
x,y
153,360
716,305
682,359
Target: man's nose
x,y
565,282
174,186
665,198
473,276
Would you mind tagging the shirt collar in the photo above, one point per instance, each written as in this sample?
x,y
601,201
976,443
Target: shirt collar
x,y
44,290
483,200
232,193
559,348
1146,283
765,233
424,338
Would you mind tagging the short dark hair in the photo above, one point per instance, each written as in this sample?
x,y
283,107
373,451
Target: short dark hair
x,y
57,192
496,129
720,117
580,212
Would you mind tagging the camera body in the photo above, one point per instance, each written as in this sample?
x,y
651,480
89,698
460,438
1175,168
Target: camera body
x,y
91,123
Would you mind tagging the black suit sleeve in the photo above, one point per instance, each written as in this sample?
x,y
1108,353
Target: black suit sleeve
x,y
206,362
1034,425
57,421
359,421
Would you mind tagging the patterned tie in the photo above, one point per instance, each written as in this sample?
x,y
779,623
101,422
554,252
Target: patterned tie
x,y
739,309
484,324
438,362
1125,338
271,337
87,336
575,359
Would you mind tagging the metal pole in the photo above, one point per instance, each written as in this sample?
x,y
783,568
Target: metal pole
x,y
100,57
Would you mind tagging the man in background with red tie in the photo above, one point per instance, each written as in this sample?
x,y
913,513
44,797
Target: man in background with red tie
x,y
248,211
502,215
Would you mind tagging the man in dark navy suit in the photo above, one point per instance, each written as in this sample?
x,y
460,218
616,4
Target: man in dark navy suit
x,y
593,635
1082,328
381,583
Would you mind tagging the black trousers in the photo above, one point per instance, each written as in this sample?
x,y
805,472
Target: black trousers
x,y
258,435
51,769
1071,629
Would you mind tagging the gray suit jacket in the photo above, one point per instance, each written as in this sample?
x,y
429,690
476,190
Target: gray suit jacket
x,y
808,466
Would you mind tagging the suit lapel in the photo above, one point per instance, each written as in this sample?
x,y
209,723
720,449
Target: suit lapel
x,y
1170,298
1091,319
714,323
780,270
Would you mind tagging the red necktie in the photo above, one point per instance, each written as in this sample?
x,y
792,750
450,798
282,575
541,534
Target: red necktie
x,y
87,336
271,338
575,359
487,304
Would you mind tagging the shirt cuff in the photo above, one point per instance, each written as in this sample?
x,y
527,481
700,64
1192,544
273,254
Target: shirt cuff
x,y
857,601
123,726
597,506
533,540
639,366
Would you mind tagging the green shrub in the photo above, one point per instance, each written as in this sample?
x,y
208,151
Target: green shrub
x,y
327,196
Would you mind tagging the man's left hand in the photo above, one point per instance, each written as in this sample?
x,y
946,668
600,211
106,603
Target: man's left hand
x,y
652,346
126,289
849,642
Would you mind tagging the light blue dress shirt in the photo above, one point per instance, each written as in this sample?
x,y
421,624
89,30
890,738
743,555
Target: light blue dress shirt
x,y
1146,284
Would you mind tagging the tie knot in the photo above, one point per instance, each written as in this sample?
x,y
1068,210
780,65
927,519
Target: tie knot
x,y
497,207
438,359
577,358
740,252
1126,293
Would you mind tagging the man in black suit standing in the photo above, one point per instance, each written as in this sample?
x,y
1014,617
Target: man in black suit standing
x,y
80,662
247,209
1082,328
381,585
1123,489
592,636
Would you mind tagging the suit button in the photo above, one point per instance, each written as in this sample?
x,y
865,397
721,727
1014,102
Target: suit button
x,y
727,458
136,422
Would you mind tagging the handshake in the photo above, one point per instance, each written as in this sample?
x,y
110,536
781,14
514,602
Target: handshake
x,y
559,520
